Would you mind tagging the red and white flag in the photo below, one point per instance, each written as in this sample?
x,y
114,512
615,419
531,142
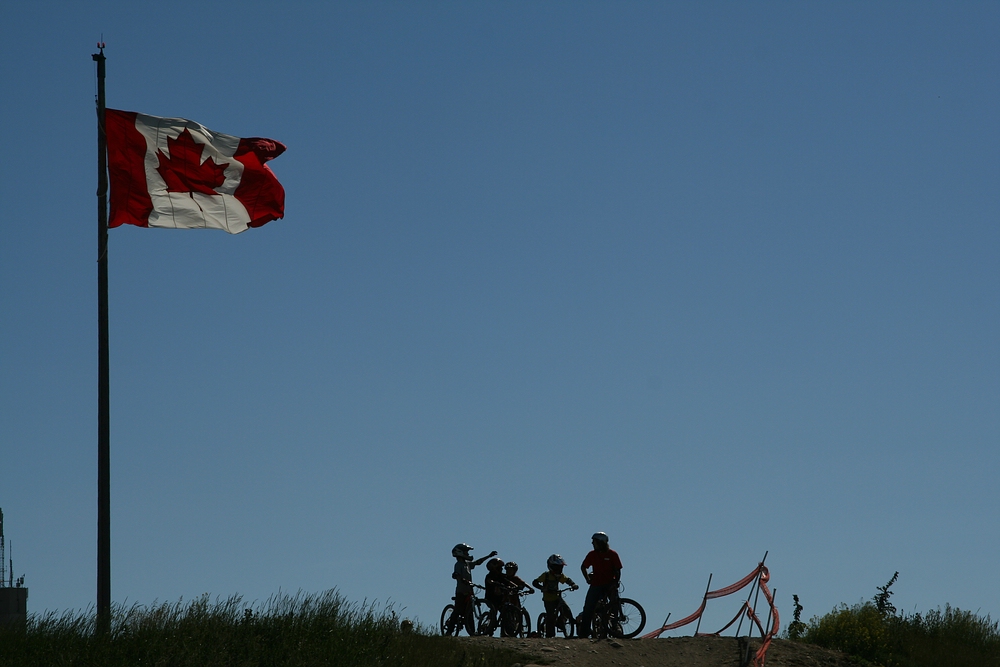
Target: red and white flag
x,y
171,172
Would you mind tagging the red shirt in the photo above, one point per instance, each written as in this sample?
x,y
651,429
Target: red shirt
x,y
606,565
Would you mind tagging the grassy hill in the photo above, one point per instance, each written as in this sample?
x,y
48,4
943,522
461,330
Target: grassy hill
x,y
321,630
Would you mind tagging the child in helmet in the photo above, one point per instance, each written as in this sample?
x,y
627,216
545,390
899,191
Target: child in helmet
x,y
514,586
516,582
496,590
495,583
463,582
548,583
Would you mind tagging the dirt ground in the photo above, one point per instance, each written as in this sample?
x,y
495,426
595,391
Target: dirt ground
x,y
665,652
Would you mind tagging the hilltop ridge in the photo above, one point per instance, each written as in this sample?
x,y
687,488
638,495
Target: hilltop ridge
x,y
663,652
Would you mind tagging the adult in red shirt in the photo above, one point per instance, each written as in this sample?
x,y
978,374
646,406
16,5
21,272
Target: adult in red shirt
x,y
606,569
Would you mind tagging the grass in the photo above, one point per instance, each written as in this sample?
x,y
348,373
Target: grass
x,y
303,630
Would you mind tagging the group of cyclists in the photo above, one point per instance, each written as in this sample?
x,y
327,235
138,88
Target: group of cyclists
x,y
503,587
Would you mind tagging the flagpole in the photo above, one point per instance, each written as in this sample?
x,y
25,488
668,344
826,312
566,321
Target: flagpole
x,y
103,370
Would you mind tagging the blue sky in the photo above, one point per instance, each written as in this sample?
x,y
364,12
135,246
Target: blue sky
x,y
715,278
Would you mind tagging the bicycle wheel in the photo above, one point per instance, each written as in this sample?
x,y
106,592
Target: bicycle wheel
x,y
486,623
510,619
484,626
565,624
540,624
525,628
468,623
449,609
632,618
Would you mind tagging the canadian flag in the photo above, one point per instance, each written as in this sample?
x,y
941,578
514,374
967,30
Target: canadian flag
x,y
172,172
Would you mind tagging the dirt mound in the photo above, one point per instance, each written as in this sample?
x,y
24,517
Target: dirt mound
x,y
666,652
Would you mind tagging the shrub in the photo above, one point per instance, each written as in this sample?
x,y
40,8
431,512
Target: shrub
x,y
860,631
936,639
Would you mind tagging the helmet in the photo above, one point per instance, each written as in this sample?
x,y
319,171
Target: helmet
x,y
462,551
600,537
494,564
511,567
554,561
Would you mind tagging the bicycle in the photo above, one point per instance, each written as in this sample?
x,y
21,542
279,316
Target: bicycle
x,y
452,623
618,617
512,618
565,623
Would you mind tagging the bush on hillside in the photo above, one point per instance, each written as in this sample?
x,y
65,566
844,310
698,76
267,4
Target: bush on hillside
x,y
936,639
875,634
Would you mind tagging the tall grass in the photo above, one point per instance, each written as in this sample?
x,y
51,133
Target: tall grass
x,y
301,630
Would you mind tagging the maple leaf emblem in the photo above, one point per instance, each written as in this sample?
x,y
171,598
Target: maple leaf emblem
x,y
184,171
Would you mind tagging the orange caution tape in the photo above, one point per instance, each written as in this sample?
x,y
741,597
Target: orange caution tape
x,y
767,634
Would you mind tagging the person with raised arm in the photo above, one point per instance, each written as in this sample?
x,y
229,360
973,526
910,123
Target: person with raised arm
x,y
463,583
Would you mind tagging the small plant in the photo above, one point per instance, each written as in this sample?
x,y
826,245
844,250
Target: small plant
x,y
796,628
881,600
